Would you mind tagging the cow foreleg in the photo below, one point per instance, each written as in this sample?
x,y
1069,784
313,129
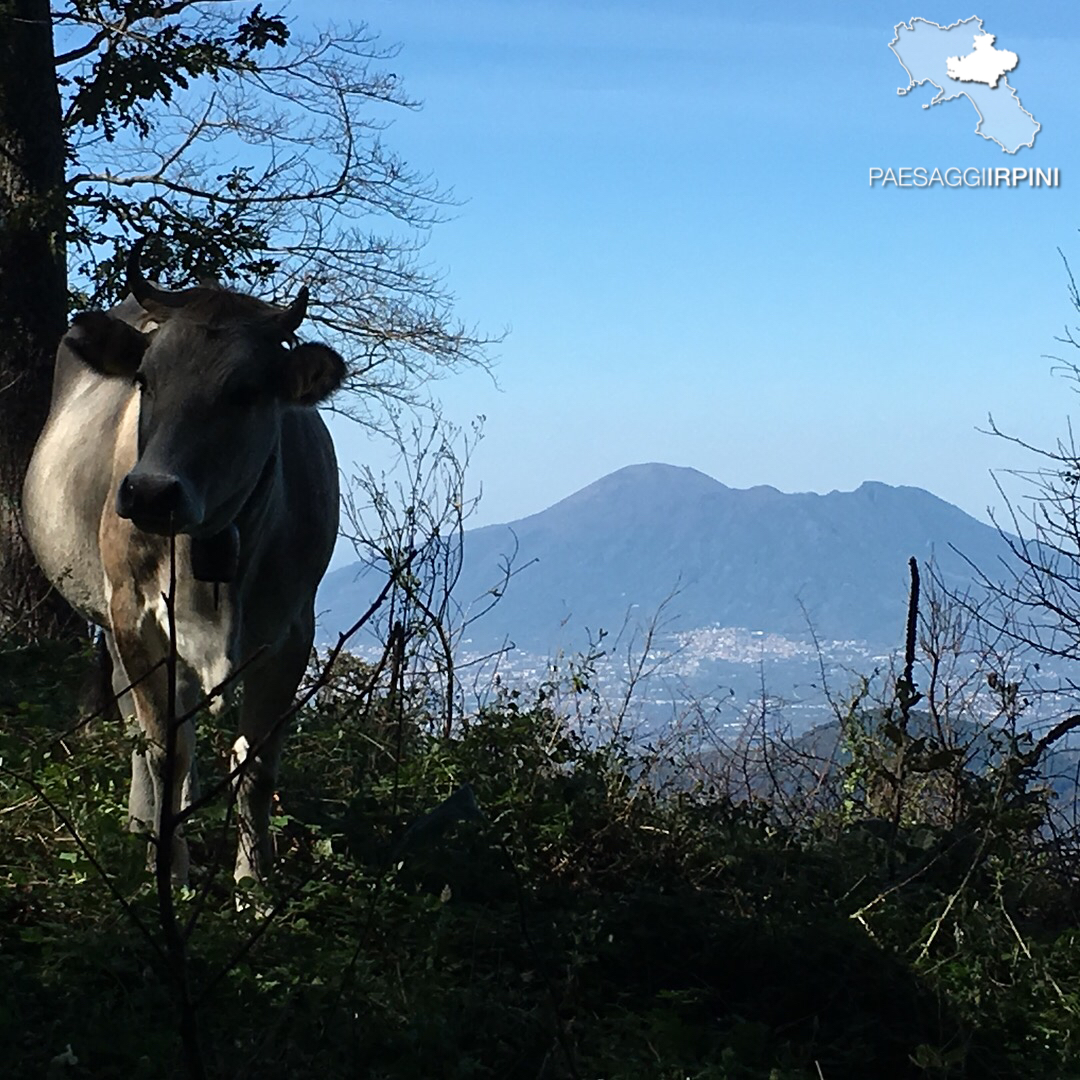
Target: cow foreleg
x,y
141,814
268,695
139,651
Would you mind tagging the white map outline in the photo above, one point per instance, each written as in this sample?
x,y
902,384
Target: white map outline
x,y
940,97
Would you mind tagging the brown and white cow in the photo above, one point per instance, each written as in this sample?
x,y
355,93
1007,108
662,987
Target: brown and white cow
x,y
192,414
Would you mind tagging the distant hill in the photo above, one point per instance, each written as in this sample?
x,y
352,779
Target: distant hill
x,y
745,558
818,753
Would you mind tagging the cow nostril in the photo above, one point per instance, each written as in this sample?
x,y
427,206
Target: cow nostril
x,y
153,498
124,498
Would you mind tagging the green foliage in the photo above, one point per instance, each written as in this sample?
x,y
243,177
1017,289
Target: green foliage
x,y
142,69
519,900
127,88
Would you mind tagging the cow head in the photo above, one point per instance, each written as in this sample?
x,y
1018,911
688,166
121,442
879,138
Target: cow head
x,y
214,378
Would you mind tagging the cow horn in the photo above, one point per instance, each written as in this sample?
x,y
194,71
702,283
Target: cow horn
x,y
147,295
291,317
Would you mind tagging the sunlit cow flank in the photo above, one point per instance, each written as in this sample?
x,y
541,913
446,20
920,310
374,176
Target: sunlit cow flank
x,y
192,413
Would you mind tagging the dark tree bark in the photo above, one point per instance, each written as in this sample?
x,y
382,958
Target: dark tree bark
x,y
33,297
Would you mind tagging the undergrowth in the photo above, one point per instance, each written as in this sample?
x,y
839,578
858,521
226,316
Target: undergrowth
x,y
518,900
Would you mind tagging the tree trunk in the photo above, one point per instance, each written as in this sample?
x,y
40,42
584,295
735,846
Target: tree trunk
x,y
33,297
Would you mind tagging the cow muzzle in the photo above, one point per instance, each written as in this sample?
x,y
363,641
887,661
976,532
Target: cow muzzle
x,y
156,503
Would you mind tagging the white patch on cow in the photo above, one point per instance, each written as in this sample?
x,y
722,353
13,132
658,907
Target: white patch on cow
x,y
239,753
202,647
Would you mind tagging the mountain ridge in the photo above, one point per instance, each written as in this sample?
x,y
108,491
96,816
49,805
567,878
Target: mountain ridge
x,y
752,557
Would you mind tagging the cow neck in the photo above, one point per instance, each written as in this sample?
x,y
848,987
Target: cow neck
x,y
255,503
216,559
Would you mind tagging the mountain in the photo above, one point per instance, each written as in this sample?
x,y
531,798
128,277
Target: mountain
x,y
753,558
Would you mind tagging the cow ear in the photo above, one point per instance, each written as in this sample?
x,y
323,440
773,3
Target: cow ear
x,y
311,373
110,346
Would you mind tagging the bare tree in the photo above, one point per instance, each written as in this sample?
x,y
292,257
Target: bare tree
x,y
1035,593
414,517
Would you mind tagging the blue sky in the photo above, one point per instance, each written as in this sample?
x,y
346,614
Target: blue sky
x,y
668,208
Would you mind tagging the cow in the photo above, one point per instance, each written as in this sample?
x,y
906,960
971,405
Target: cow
x,y
186,420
